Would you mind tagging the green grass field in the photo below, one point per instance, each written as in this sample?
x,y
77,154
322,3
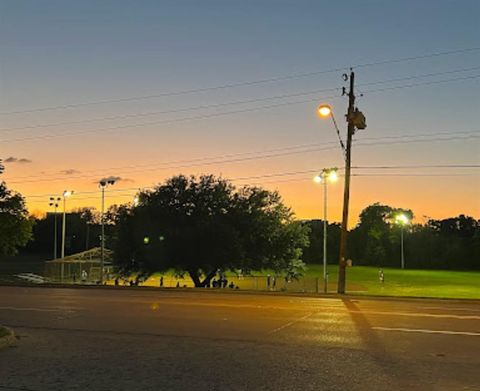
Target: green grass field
x,y
418,283
364,280
360,279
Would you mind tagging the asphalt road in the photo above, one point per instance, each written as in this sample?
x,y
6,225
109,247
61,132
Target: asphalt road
x,y
105,339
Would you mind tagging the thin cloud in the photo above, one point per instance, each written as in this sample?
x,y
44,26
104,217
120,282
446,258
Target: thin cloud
x,y
13,159
69,171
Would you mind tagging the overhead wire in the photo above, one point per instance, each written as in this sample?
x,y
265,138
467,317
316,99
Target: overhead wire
x,y
223,104
247,156
214,115
271,175
245,83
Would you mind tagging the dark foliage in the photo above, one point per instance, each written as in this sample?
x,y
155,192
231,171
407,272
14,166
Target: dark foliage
x,y
15,227
200,226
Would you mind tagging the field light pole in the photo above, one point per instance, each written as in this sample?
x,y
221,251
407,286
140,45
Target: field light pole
x,y
327,174
402,220
104,183
54,202
66,193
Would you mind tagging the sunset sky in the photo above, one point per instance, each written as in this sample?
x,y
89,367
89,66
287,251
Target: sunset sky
x,y
143,90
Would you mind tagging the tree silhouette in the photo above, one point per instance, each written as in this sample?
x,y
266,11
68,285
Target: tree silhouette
x,y
200,226
15,227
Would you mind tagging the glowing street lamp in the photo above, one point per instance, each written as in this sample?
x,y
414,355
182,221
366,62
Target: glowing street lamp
x,y
327,175
402,220
324,110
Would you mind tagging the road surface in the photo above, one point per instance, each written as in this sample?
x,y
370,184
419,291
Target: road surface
x,y
134,339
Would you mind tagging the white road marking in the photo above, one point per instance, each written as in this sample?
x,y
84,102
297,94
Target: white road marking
x,y
426,331
290,323
419,315
465,309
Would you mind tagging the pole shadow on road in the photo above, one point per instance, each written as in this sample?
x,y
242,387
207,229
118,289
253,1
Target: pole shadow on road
x,y
374,344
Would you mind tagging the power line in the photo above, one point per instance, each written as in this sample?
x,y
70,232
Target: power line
x,y
242,84
214,115
238,102
423,84
409,166
168,121
172,111
306,148
167,164
271,175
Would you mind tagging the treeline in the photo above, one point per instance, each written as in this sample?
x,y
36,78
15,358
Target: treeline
x,y
452,243
83,231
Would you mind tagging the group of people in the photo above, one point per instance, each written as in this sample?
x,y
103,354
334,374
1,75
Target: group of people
x,y
222,282
127,282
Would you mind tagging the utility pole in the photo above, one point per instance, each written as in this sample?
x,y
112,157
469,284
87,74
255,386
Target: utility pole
x,y
355,119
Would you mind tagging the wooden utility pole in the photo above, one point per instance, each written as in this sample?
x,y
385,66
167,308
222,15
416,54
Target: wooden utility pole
x,y
342,263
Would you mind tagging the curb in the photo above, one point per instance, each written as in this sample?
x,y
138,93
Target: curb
x,y
347,296
7,340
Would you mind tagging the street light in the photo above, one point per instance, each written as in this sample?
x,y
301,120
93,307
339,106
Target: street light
x,y
324,110
327,175
402,220
103,184
54,202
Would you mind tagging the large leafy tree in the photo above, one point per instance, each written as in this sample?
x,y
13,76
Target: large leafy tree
x,y
15,227
375,238
201,225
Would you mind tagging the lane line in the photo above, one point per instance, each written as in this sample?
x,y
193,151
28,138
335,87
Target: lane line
x,y
419,315
38,309
290,323
426,331
464,309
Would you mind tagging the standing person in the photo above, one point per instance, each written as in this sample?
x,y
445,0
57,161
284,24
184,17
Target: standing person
x,y
161,281
274,282
381,276
268,281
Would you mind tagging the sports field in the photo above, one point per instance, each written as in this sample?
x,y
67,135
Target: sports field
x,y
362,280
397,282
